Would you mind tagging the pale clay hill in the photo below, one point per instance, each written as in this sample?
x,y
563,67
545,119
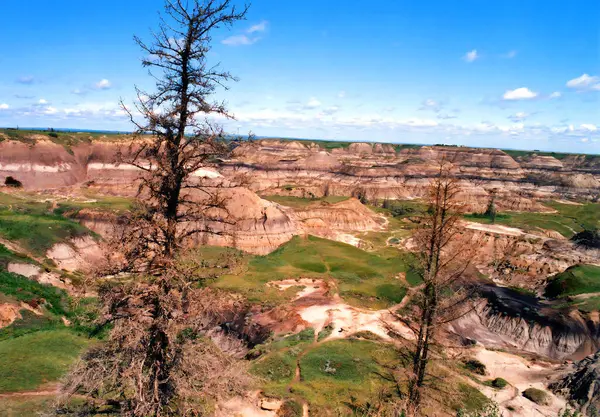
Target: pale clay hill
x,y
365,171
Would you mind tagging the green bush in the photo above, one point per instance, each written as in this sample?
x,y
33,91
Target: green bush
x,y
499,383
475,366
536,395
325,332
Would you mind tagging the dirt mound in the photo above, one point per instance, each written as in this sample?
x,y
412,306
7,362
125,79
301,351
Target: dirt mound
x,y
317,309
79,254
8,314
321,160
506,318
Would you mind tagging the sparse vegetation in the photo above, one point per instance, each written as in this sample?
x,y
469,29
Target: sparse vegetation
x,y
300,202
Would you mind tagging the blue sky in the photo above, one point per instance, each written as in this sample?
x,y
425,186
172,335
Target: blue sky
x,y
504,73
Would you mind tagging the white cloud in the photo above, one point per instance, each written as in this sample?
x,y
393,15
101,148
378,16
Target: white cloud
x,y
446,116
584,82
588,126
238,40
584,140
78,92
431,104
556,94
510,54
50,110
471,56
342,94
519,116
103,84
259,27
43,101
312,103
4,106
522,93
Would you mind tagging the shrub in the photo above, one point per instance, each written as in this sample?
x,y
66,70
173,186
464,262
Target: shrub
x,y
13,182
53,134
536,395
499,383
475,366
588,238
325,332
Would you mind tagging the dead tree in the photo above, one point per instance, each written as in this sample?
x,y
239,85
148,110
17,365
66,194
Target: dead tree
x,y
178,136
159,359
444,256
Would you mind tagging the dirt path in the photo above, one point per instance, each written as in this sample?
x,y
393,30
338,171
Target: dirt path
x,y
585,296
40,393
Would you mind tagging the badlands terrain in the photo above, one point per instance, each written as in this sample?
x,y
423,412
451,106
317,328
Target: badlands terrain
x,y
320,250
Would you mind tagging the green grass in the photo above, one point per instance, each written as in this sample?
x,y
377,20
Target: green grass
x,y
7,256
29,361
275,368
471,399
65,139
578,279
53,299
589,304
38,233
527,154
36,229
568,220
301,203
334,372
100,203
361,278
339,373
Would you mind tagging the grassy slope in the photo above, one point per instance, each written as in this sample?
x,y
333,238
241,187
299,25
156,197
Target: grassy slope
x,y
7,256
362,278
35,359
301,203
568,220
338,374
32,225
20,288
578,279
